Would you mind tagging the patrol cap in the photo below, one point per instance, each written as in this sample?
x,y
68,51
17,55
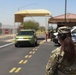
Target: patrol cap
x,y
64,30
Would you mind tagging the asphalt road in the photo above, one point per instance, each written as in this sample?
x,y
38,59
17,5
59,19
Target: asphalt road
x,y
5,39
25,60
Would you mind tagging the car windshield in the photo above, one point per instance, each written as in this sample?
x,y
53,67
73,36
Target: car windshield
x,y
26,33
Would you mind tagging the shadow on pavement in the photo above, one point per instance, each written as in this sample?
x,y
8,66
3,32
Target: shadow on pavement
x,y
40,38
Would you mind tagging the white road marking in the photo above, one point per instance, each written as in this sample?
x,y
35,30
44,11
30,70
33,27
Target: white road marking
x,y
6,45
13,43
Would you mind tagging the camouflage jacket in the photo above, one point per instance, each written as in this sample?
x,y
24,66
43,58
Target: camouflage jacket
x,y
64,67
49,65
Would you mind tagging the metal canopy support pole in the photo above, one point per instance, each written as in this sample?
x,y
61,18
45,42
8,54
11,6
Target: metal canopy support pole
x,y
46,25
45,30
14,29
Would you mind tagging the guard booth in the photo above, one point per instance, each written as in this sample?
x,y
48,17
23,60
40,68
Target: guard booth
x,y
20,15
60,20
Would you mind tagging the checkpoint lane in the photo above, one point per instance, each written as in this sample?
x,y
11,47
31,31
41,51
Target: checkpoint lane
x,y
25,60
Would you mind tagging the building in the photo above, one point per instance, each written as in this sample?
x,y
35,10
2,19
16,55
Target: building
x,y
60,20
7,29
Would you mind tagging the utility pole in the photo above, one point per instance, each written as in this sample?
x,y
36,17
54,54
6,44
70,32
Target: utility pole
x,y
65,10
26,5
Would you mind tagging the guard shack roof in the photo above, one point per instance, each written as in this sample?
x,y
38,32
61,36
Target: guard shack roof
x,y
61,18
27,13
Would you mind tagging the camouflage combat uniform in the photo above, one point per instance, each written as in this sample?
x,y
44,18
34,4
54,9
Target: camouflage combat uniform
x,y
63,68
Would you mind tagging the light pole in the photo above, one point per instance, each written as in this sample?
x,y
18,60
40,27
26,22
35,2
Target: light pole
x,y
65,10
26,5
18,10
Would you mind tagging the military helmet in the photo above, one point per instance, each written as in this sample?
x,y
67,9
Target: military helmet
x,y
64,29
64,32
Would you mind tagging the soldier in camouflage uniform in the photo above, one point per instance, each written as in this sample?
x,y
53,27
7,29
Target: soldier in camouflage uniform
x,y
67,53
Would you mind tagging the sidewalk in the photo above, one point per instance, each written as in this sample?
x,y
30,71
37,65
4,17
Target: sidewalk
x,y
6,35
48,40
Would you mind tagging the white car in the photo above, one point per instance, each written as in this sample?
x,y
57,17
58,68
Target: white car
x,y
73,34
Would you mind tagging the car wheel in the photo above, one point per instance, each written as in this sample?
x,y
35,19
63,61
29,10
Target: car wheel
x,y
33,44
36,43
16,45
59,44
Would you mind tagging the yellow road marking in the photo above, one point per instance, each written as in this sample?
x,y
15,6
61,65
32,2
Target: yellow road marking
x,y
30,52
34,49
18,70
30,56
33,52
13,69
20,61
25,62
37,47
41,42
26,56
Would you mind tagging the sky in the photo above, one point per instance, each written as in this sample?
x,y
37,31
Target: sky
x,y
57,7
